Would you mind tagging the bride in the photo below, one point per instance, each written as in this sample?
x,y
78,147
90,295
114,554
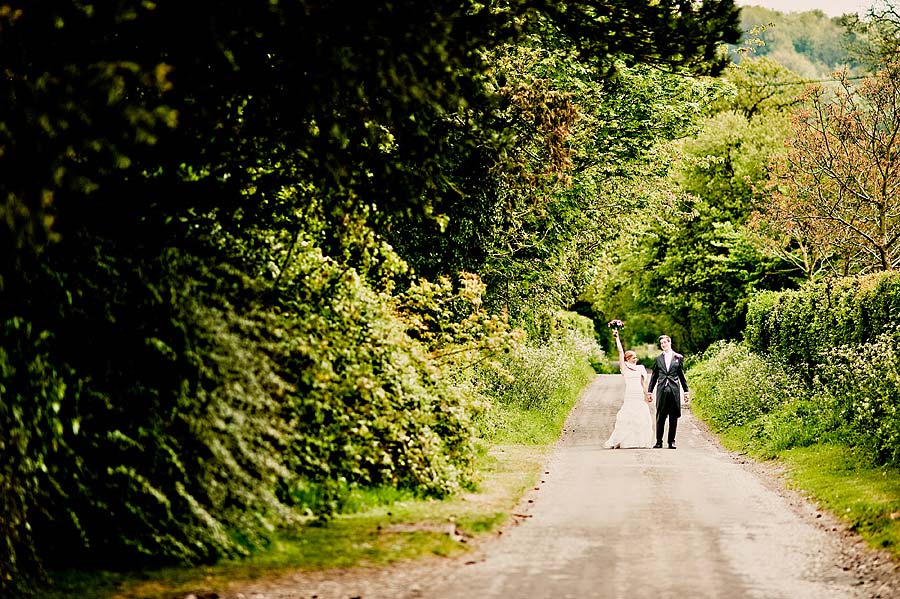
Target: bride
x,y
634,422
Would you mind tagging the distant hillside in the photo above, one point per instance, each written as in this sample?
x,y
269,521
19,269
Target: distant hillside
x,y
811,44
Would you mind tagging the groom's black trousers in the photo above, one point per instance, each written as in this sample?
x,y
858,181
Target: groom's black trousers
x,y
667,408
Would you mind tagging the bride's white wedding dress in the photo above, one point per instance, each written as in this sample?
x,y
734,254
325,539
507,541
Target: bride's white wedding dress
x,y
634,422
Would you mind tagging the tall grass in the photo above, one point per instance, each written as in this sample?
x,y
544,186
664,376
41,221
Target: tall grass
x,y
761,404
529,399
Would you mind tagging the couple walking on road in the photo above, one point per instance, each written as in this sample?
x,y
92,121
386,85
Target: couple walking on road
x,y
634,422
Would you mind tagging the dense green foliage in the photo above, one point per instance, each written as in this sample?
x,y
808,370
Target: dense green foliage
x,y
810,44
531,394
583,148
840,337
798,326
689,270
213,220
734,389
819,364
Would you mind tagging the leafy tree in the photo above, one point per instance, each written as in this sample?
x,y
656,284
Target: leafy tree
x,y
535,209
763,88
537,230
842,171
699,261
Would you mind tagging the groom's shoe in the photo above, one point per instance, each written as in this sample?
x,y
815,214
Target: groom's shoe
x,y
672,446
658,445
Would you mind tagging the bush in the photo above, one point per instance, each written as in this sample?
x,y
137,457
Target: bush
x,y
369,403
140,432
34,400
535,384
732,387
192,406
839,336
863,384
854,400
796,325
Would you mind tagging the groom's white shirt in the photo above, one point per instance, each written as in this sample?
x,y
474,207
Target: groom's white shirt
x,y
667,356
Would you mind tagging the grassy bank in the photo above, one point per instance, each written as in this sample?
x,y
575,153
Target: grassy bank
x,y
385,530
755,407
838,479
381,526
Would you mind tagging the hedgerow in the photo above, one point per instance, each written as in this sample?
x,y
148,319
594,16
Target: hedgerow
x,y
818,364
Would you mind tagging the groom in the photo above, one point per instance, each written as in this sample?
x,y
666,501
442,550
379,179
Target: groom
x,y
668,370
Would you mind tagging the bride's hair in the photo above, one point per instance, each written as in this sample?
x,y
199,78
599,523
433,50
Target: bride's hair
x,y
630,354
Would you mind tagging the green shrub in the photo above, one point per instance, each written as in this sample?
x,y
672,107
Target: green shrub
x,y
732,387
796,325
839,337
177,406
180,442
761,401
529,394
368,404
140,432
863,382
854,400
34,403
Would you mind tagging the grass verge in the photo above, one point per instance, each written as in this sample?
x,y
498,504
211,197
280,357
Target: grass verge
x,y
840,480
404,529
866,497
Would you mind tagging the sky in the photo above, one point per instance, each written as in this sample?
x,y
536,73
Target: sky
x,y
832,8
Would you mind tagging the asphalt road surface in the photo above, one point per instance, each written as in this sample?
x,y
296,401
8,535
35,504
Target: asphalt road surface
x,y
688,523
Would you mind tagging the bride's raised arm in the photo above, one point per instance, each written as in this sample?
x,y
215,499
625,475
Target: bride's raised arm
x,y
621,352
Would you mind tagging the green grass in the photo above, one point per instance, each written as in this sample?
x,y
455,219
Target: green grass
x,y
542,423
840,480
517,426
388,527
866,497
736,438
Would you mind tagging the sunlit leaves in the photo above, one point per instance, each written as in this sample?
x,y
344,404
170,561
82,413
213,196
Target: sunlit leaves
x,y
839,337
691,263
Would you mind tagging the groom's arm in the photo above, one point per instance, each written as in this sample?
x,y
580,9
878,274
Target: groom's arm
x,y
683,380
653,376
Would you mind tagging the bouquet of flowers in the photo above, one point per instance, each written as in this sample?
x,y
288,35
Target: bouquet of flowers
x,y
616,325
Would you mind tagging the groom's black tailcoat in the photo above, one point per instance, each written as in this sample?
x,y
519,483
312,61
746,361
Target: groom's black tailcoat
x,y
668,377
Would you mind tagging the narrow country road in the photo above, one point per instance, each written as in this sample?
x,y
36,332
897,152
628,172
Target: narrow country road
x,y
653,523
690,523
